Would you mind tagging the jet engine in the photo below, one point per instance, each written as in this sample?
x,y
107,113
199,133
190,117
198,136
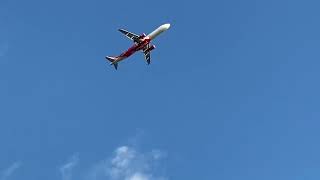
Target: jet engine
x,y
142,35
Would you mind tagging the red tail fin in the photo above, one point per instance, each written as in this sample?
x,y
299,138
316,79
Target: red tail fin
x,y
112,60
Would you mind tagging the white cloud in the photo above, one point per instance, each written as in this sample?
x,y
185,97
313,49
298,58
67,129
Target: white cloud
x,y
128,164
66,169
5,174
139,176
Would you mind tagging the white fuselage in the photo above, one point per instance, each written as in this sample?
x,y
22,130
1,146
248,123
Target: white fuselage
x,y
145,41
140,46
158,31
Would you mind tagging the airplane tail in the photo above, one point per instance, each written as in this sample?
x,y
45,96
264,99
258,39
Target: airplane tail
x,y
113,61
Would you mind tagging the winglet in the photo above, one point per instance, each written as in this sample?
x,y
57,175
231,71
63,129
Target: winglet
x,y
122,31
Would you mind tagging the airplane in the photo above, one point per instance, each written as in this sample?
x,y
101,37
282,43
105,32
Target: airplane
x,y
141,43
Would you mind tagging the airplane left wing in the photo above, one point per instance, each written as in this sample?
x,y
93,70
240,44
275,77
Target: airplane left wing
x,y
130,35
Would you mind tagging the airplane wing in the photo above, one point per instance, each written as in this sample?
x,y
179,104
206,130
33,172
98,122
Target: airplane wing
x,y
130,35
147,54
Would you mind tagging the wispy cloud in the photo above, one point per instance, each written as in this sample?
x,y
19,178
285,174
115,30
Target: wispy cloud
x,y
128,164
66,169
5,174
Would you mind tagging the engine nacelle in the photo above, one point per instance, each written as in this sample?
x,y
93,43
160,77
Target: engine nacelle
x,y
151,48
142,35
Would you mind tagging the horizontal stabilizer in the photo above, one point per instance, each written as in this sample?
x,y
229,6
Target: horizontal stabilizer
x,y
110,58
113,61
115,65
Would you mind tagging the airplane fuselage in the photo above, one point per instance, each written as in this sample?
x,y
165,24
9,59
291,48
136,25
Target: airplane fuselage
x,y
140,43
136,47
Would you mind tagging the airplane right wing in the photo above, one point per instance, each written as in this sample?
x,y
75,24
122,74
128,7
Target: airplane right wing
x,y
147,56
130,35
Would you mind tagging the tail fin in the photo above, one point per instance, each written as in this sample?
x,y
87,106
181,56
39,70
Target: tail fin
x,y
112,61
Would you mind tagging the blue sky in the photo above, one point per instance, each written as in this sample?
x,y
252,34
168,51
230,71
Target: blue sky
x,y
232,91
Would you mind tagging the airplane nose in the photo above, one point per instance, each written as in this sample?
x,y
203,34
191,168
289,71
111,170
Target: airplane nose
x,y
159,30
166,26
